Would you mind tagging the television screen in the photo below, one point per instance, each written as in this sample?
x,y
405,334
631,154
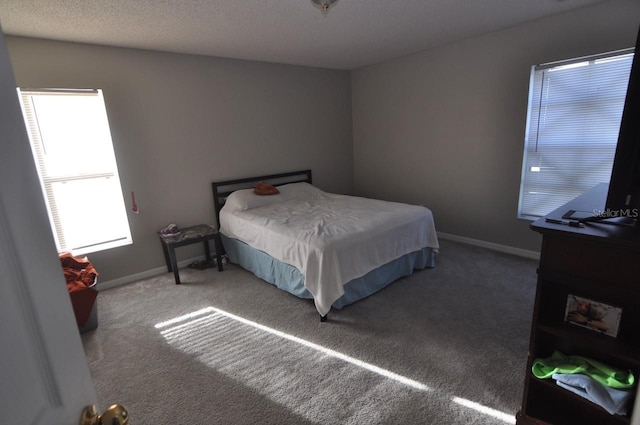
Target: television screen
x,y
623,198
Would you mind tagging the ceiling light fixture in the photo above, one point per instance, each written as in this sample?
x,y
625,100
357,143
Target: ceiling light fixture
x,y
324,5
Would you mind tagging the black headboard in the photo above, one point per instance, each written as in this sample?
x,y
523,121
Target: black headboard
x,y
223,189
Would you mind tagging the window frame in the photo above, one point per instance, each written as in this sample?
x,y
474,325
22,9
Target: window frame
x,y
531,204
107,177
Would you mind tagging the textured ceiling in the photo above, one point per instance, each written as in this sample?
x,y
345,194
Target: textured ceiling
x,y
355,33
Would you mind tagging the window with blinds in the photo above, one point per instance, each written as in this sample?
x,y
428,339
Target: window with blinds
x,y
73,151
573,120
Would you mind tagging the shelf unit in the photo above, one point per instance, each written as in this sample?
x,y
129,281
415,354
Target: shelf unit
x,y
600,262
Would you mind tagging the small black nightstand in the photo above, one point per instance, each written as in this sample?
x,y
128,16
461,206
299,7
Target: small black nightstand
x,y
187,236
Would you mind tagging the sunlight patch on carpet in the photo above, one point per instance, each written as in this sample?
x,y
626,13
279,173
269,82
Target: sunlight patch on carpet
x,y
484,409
316,382
177,331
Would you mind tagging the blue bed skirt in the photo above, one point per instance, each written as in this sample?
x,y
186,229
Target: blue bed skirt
x,y
289,278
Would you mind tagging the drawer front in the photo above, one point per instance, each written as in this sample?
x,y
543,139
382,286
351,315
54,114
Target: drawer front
x,y
591,260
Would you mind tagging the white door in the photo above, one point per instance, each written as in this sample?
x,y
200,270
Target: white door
x,y
44,378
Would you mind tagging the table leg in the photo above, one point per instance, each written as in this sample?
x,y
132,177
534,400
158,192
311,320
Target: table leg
x,y
174,264
207,251
218,245
167,260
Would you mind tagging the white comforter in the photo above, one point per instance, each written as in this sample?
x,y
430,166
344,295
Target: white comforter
x,y
331,239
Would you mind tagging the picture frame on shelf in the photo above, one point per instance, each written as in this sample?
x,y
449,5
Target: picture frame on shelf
x,y
593,315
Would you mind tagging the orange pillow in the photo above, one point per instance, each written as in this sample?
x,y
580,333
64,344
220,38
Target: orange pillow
x,y
263,188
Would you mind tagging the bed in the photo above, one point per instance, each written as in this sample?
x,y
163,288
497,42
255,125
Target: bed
x,y
334,249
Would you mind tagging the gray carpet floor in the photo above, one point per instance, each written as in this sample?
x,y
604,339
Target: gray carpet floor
x,y
444,346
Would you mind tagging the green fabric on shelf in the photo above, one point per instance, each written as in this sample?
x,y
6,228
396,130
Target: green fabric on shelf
x,y
603,373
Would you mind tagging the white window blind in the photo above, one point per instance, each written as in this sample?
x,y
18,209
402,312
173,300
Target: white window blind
x,y
573,120
72,147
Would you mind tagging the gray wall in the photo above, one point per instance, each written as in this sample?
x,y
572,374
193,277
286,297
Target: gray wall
x,y
445,127
179,122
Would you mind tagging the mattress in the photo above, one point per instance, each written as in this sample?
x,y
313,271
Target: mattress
x,y
288,278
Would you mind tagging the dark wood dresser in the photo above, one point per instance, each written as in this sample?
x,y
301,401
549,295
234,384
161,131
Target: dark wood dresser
x,y
598,262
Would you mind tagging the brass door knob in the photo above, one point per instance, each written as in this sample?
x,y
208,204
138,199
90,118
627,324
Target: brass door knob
x,y
114,415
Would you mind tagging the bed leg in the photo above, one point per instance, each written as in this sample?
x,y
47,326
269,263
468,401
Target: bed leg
x,y
323,318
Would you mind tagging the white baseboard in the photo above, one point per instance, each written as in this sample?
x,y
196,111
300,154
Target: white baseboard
x,y
534,255
448,236
143,275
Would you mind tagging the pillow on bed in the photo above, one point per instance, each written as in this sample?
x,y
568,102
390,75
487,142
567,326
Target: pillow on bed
x,y
246,199
300,191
